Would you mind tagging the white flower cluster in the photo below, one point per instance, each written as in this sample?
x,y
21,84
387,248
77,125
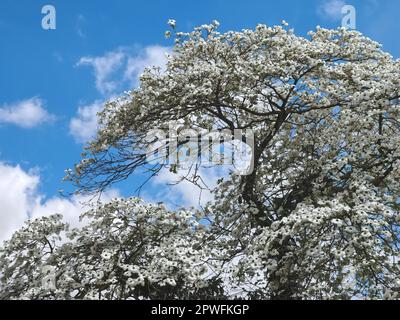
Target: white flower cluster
x,y
128,249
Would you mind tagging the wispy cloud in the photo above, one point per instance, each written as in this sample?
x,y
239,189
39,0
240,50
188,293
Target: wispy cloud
x,y
119,69
25,114
84,125
331,9
150,56
115,71
104,67
79,25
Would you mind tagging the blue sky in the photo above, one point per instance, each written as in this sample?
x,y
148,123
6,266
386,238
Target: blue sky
x,y
53,81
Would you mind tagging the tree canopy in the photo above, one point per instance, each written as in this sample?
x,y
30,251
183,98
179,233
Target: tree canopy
x,y
317,218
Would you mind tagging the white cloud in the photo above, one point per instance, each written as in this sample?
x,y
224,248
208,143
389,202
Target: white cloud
x,y
20,199
17,189
26,113
150,56
115,71
120,69
84,125
70,208
331,9
104,67
80,21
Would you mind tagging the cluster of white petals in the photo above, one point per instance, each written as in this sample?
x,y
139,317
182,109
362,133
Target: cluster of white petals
x,y
126,250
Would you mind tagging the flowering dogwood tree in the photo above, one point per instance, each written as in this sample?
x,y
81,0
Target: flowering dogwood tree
x,y
126,250
318,216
